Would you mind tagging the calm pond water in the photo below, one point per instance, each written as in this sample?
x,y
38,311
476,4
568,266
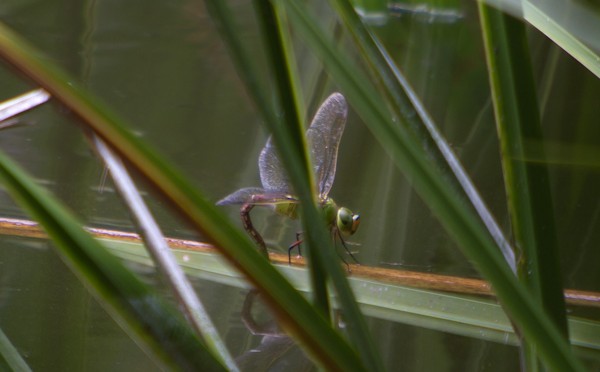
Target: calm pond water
x,y
162,67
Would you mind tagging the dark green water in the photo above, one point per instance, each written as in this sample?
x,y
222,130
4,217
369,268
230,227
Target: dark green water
x,y
161,66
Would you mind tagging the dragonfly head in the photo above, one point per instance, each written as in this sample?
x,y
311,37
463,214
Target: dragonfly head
x,y
347,222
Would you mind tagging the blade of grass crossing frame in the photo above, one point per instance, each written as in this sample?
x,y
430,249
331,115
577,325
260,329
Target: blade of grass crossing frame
x,y
282,76
295,314
164,259
406,105
10,358
316,233
157,326
458,220
527,184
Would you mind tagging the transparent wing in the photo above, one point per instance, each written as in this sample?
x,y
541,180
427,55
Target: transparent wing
x,y
323,138
256,195
241,196
272,175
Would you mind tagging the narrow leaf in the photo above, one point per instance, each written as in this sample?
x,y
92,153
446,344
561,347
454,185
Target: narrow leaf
x,y
157,325
296,315
457,219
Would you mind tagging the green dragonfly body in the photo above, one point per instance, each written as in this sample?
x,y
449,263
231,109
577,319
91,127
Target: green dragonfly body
x,y
323,138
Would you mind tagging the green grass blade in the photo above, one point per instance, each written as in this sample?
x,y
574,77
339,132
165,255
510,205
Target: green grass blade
x,y
10,359
456,218
291,90
325,259
189,303
290,118
406,105
291,60
527,185
456,313
318,239
291,138
295,314
572,25
157,325
549,26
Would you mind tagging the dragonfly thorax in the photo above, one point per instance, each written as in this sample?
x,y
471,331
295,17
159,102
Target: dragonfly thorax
x,y
289,210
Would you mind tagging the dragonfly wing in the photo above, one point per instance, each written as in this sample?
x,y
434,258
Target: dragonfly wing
x,y
257,196
272,174
241,196
324,136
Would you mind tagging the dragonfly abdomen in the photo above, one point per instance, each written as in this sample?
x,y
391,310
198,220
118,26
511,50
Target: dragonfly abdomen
x,y
247,222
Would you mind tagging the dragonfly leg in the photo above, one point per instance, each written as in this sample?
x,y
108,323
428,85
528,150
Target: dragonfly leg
x,y
334,235
298,235
295,244
247,222
346,248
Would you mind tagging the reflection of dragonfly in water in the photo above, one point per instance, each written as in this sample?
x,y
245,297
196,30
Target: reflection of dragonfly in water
x,y
323,137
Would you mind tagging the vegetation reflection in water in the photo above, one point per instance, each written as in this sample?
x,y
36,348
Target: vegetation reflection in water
x,y
323,138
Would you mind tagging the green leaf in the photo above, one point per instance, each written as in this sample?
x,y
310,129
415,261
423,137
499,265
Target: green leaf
x,y
10,359
293,136
527,185
460,221
288,137
405,104
157,326
571,25
295,314
456,313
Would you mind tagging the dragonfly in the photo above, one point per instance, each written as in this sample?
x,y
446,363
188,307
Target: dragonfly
x,y
323,137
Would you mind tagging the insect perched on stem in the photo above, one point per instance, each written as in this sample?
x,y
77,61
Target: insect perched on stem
x,y
323,138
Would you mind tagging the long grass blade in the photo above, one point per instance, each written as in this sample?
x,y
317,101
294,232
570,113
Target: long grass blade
x,y
156,243
141,311
458,220
456,305
438,302
572,25
162,256
527,185
295,314
407,105
302,182
315,234
10,359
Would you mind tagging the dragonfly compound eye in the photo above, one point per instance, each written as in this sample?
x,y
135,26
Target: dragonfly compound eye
x,y
347,222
